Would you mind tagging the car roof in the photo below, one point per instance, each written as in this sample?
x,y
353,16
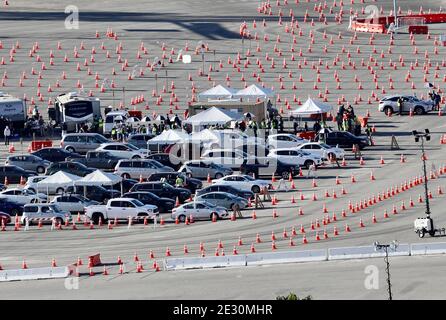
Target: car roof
x,y
219,192
123,199
82,134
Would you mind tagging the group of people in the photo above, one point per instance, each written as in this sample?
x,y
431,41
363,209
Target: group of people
x,y
347,120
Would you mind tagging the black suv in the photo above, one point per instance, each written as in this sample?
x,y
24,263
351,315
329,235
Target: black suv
x,y
268,167
56,154
345,139
164,204
189,183
72,167
163,189
96,193
229,189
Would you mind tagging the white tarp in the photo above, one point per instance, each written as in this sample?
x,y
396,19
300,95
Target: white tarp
x,y
217,92
312,107
213,116
170,136
254,91
100,178
59,178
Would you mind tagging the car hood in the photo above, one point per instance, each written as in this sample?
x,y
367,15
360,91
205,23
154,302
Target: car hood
x,y
149,207
167,200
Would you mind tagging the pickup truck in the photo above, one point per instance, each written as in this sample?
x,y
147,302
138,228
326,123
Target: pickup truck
x,y
99,160
121,209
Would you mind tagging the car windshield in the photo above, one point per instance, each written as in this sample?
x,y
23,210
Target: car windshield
x,y
131,146
249,178
325,146
208,204
54,208
137,203
28,192
101,139
157,164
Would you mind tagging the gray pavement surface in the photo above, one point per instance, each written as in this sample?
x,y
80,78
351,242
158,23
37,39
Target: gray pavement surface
x,y
217,23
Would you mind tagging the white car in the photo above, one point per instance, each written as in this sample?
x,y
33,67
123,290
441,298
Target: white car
x,y
23,196
72,203
46,212
54,188
200,210
243,182
295,157
284,140
123,150
322,150
231,158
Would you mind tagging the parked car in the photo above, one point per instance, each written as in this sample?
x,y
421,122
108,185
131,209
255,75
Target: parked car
x,y
139,140
126,184
55,188
243,182
72,203
295,156
23,196
164,204
120,208
223,199
199,210
5,218
345,139
170,177
232,158
284,140
389,104
98,160
167,159
124,150
72,167
139,168
96,193
11,207
28,162
269,166
163,189
45,211
247,194
200,169
55,154
82,142
322,150
14,173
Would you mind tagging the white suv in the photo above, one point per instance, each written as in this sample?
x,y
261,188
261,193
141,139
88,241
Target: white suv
x,y
322,150
46,212
419,107
284,140
124,150
295,156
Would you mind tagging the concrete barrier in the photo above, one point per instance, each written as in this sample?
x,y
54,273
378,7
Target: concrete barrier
x,y
286,257
205,262
34,274
365,252
428,248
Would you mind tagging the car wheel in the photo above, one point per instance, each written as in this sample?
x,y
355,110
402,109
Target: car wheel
x,y
125,176
419,110
255,189
60,190
308,163
388,110
285,175
96,216
59,221
40,170
332,156
181,218
136,157
70,149
218,175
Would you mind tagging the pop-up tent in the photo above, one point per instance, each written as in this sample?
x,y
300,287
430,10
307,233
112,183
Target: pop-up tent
x,y
60,179
217,92
253,92
311,107
213,116
169,136
99,178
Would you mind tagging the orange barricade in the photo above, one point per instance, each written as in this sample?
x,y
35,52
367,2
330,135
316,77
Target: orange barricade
x,y
39,144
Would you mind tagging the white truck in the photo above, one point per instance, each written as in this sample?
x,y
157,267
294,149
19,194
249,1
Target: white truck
x,y
121,209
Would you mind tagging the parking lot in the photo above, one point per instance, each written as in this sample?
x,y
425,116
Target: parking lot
x,y
176,24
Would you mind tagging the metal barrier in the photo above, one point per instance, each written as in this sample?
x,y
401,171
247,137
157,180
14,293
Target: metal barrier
x,y
365,252
34,274
286,257
428,248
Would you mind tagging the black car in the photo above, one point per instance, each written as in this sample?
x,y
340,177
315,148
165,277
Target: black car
x,y
163,189
345,139
164,204
71,167
98,160
189,183
167,159
229,189
14,173
268,167
11,207
96,193
127,184
56,154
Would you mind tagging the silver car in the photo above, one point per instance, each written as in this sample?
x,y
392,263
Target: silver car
x,y
73,203
134,169
82,142
28,162
199,210
224,199
200,169
46,212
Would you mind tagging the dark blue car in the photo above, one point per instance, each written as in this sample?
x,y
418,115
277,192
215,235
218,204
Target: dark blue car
x,y
10,207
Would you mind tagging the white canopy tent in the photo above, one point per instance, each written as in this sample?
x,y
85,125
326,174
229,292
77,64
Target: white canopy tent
x,y
213,116
169,136
311,107
100,178
253,92
60,177
217,92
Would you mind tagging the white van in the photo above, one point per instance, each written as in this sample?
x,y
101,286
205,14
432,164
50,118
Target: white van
x,y
113,118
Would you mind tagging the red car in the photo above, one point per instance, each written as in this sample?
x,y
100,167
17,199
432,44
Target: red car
x,y
4,218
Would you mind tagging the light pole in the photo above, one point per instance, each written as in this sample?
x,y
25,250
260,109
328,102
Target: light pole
x,y
393,245
424,136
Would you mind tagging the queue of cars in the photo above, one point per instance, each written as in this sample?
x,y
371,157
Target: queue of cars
x,y
149,184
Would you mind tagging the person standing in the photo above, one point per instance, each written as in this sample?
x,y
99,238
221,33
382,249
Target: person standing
x,y
400,105
7,134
